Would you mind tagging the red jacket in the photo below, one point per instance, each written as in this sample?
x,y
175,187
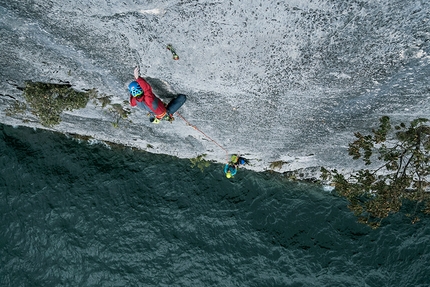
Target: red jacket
x,y
149,99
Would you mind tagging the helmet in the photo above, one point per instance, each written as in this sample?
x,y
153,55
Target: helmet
x,y
135,89
228,174
242,161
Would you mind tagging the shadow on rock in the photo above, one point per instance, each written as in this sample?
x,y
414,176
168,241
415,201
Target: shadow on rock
x,y
161,88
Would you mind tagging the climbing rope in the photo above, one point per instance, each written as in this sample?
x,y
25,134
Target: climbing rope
x,y
194,127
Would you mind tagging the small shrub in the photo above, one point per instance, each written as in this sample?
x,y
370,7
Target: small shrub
x,y
48,101
105,100
119,113
16,108
277,164
200,162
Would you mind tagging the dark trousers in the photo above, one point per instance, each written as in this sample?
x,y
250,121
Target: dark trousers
x,y
176,103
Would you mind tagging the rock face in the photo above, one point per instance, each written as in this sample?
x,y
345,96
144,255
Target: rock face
x,y
278,81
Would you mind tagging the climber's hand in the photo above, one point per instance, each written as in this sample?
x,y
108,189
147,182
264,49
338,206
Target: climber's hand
x,y
136,72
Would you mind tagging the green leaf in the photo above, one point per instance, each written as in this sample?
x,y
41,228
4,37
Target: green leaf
x,y
402,157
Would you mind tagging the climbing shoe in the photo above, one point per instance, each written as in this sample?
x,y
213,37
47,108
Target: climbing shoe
x,y
168,118
154,120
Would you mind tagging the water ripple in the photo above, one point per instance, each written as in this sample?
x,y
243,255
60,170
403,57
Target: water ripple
x,y
83,215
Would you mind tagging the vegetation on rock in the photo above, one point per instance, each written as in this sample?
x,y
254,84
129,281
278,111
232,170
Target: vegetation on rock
x,y
277,164
16,108
200,162
48,101
119,113
400,172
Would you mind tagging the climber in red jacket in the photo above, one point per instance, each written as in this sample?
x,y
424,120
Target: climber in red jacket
x,y
141,95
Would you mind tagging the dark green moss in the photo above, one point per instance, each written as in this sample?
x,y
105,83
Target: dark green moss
x,y
200,162
277,164
104,100
16,108
118,113
48,101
